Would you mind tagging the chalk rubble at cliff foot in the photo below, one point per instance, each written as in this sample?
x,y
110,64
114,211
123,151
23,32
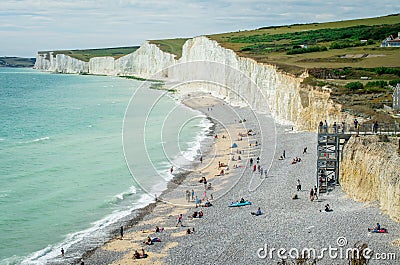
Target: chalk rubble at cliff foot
x,y
370,172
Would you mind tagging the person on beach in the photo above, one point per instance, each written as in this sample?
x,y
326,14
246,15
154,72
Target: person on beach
x,y
251,161
328,208
179,221
254,167
171,169
258,212
121,231
316,192
188,195
312,194
192,195
298,185
305,150
201,160
284,154
62,252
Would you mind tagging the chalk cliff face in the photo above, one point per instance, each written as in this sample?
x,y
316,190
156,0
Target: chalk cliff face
x,y
244,80
60,64
370,172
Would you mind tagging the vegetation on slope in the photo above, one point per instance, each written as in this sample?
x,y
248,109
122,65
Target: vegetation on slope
x,y
173,46
17,62
334,54
86,55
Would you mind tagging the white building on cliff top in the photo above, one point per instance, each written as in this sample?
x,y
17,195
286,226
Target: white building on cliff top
x,y
391,41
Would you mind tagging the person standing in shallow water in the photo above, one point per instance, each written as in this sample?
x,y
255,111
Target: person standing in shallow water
x,y
62,252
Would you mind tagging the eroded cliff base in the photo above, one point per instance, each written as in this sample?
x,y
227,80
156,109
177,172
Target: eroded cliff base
x,y
370,172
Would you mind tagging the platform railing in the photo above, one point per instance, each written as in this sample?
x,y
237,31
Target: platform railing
x,y
363,129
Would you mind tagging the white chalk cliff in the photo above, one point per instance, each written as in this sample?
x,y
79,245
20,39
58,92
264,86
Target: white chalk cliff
x,y
240,79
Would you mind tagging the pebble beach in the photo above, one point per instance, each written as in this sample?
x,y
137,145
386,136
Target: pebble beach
x,y
232,235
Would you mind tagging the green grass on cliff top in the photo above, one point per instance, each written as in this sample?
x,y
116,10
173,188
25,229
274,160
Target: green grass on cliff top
x,y
173,46
86,55
371,55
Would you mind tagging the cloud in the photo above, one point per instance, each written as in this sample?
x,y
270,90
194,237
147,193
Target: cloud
x,y
102,23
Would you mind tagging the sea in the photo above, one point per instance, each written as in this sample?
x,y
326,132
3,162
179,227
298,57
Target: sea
x,y
79,154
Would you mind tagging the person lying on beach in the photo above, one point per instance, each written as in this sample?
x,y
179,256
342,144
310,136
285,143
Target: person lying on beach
x,y
281,158
137,255
294,161
201,214
194,214
242,200
223,165
257,213
150,241
207,204
159,229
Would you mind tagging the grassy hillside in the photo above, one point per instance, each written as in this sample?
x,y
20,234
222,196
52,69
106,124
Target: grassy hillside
x,y
16,62
173,46
86,55
272,44
341,55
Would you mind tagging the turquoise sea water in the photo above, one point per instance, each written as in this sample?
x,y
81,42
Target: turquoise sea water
x,y
63,175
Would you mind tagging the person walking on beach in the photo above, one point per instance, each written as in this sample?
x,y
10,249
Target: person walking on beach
x,y
192,194
254,167
284,154
315,192
305,150
179,221
298,185
312,194
251,161
201,159
121,231
62,252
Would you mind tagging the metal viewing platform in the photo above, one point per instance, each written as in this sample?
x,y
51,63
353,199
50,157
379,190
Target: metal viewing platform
x,y
332,138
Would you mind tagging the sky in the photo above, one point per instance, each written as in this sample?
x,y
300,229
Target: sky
x,y
28,26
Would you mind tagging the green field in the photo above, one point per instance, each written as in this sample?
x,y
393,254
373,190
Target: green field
x,y
16,62
86,55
